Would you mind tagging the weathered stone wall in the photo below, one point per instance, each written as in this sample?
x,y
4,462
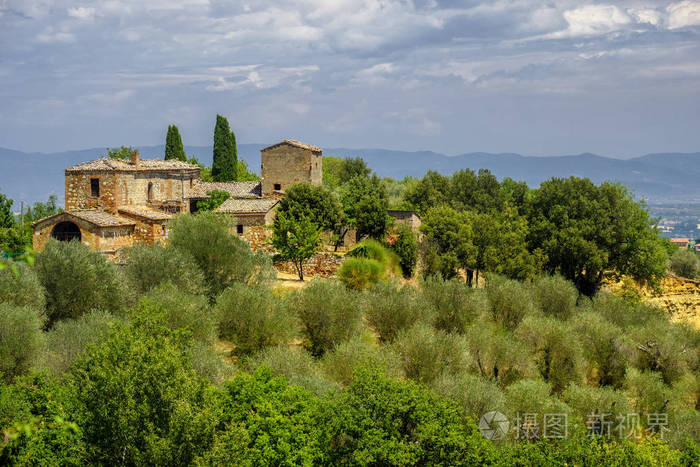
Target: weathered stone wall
x,y
254,227
321,264
79,195
287,165
100,239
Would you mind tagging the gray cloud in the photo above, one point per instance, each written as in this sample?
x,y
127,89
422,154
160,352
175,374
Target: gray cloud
x,y
538,77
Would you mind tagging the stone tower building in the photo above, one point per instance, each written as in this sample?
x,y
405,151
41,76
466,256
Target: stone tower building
x,y
289,162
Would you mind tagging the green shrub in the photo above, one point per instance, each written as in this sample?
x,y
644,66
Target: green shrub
x,y
685,263
361,273
390,308
605,348
455,304
379,421
209,364
148,266
329,314
510,301
406,248
557,352
69,338
253,318
531,396
347,358
295,364
427,354
646,391
372,249
222,257
497,355
555,296
622,313
77,280
176,309
474,394
140,402
606,402
21,288
21,339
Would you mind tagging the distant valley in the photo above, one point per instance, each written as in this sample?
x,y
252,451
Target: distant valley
x,y
658,178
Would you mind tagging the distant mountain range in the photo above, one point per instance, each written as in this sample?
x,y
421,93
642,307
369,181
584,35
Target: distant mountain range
x,y
659,178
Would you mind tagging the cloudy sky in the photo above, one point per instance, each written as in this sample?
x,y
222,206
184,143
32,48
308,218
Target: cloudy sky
x,y
535,77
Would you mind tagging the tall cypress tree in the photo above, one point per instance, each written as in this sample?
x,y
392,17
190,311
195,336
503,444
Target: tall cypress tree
x,y
173,145
225,164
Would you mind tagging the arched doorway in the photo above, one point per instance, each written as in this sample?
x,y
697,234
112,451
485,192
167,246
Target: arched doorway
x,y
66,231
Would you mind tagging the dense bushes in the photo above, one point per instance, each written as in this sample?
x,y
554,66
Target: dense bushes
x,y
148,266
390,308
223,258
686,263
21,339
77,280
329,314
21,287
253,318
361,273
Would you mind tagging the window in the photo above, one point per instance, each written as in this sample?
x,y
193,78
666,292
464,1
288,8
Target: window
x,y
150,191
95,187
239,229
277,186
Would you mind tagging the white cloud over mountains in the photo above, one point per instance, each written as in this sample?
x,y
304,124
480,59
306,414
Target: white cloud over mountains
x,y
365,72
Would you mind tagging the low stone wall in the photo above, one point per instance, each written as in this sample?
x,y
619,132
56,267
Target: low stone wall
x,y
321,264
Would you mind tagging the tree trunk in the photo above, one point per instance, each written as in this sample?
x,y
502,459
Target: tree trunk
x,y
300,270
470,277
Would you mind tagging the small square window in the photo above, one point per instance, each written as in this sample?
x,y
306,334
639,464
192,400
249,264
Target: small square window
x,y
277,186
239,229
95,187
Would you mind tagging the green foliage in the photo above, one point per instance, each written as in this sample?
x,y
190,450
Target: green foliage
x,y
225,156
253,318
364,205
447,244
496,355
555,296
378,421
427,354
391,308
510,301
361,273
329,314
295,364
475,395
223,258
685,263
173,145
406,248
216,199
586,400
584,229
315,203
71,337
338,171
21,287
122,152
140,401
21,339
372,249
244,174
605,347
148,266
358,354
557,353
77,280
431,191
295,240
455,304
177,310
532,396
7,218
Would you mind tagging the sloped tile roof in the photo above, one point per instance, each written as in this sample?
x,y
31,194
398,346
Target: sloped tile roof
x,y
145,212
107,163
235,189
233,205
93,216
294,143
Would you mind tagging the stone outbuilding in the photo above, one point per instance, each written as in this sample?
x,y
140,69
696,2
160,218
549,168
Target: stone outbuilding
x,y
115,203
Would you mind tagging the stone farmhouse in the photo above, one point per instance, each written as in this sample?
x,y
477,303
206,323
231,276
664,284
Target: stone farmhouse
x,y
114,203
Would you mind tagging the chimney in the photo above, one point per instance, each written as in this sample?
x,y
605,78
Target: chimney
x,y
135,159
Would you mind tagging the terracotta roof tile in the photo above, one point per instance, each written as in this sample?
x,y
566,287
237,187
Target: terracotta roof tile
x,y
235,189
233,205
107,163
145,212
294,143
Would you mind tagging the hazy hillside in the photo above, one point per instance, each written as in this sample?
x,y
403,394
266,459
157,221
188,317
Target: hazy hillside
x,y
656,177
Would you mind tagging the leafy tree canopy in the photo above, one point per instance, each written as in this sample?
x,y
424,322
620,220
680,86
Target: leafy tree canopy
x,y
317,203
173,145
225,164
122,152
